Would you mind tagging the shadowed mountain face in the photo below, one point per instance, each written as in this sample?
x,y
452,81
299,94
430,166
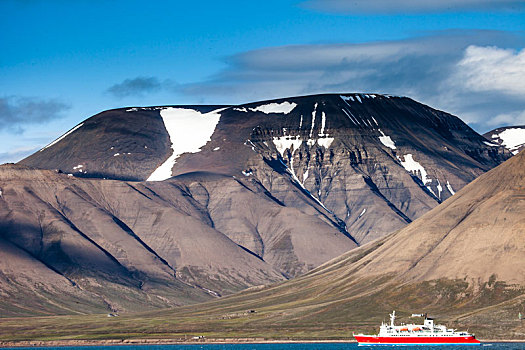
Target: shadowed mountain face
x,y
511,137
132,246
261,192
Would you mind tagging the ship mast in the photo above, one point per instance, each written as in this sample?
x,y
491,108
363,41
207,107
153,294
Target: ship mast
x,y
392,318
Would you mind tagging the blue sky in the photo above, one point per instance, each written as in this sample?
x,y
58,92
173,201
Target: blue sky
x,y
63,61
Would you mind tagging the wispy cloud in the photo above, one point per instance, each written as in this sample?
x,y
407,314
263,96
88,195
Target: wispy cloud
x,y
513,118
138,87
413,6
492,69
461,72
17,112
14,155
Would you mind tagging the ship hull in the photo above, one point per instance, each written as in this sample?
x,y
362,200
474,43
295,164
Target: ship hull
x,y
416,340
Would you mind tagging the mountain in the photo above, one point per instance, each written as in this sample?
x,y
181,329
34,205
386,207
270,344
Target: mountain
x,y
161,242
178,204
361,157
512,137
463,262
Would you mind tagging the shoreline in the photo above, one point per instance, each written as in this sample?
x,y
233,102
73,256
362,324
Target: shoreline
x,y
123,342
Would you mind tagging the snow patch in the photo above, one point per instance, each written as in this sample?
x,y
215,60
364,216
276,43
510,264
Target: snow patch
x,y
116,154
189,130
247,172
78,167
358,98
211,292
431,191
347,98
283,108
323,123
362,213
439,188
450,189
325,142
240,109
216,148
61,137
301,122
252,145
513,139
135,109
287,142
313,119
491,144
414,167
386,140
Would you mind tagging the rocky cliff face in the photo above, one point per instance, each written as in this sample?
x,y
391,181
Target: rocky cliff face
x,y
180,204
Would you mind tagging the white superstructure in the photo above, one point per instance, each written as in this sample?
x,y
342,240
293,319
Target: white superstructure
x,y
427,329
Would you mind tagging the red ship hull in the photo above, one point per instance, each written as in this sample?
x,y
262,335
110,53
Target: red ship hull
x,y
416,340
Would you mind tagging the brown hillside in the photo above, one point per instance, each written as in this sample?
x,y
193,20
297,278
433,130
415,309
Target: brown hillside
x,y
463,262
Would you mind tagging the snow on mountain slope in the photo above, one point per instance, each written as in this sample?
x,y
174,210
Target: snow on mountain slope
x,y
512,137
270,108
188,130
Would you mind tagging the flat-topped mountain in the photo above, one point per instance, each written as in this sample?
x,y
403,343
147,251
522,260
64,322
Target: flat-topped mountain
x,y
180,204
363,157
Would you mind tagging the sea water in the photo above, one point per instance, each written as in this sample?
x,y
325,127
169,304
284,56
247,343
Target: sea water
x,y
285,346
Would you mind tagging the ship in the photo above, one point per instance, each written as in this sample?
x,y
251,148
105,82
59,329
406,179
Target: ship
x,y
427,333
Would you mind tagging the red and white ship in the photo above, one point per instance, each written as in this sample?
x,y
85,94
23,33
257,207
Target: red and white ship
x,y
412,334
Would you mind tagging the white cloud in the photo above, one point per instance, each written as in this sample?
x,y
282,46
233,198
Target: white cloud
x,y
460,72
492,69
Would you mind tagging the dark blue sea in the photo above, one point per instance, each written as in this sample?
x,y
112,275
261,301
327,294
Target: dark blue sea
x,y
288,346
